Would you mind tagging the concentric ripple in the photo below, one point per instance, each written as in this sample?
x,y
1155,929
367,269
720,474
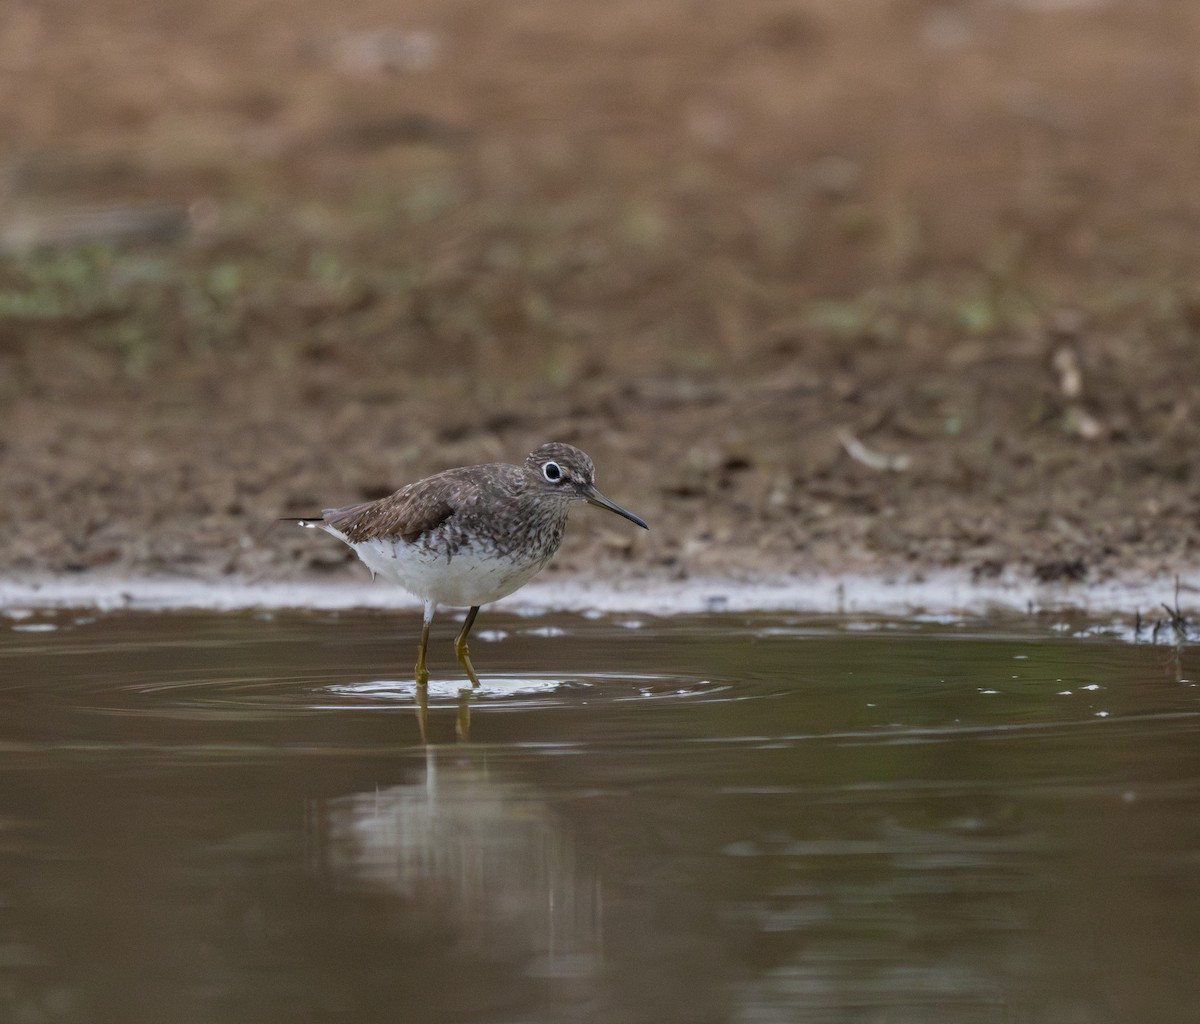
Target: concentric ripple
x,y
534,689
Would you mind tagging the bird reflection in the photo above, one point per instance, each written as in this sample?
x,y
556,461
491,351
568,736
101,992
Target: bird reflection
x,y
485,856
462,719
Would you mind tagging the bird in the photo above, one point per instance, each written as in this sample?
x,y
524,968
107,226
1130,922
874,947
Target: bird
x,y
471,535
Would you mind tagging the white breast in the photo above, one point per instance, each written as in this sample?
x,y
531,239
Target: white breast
x,y
471,577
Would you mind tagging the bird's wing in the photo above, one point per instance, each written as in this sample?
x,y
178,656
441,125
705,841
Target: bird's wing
x,y
407,514
425,505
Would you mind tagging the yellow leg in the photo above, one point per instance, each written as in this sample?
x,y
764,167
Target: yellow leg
x,y
421,673
460,647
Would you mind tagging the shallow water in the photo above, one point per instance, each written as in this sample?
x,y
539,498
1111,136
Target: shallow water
x,y
227,818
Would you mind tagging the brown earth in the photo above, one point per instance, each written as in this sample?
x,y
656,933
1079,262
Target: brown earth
x,y
821,286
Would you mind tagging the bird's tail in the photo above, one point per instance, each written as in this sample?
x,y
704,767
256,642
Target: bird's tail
x,y
311,522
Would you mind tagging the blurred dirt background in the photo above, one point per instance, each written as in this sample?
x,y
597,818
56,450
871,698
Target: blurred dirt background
x,y
821,286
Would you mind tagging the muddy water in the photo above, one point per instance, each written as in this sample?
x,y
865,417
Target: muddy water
x,y
233,818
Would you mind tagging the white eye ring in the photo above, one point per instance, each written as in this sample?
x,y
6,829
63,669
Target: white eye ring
x,y
552,472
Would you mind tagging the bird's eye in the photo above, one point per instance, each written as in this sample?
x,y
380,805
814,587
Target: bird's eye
x,y
552,472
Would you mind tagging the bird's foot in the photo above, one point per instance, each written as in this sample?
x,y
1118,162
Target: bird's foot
x,y
464,659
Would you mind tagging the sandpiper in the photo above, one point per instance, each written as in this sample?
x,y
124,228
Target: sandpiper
x,y
471,535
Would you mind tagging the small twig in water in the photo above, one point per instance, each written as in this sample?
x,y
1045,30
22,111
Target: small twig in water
x,y
1175,619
